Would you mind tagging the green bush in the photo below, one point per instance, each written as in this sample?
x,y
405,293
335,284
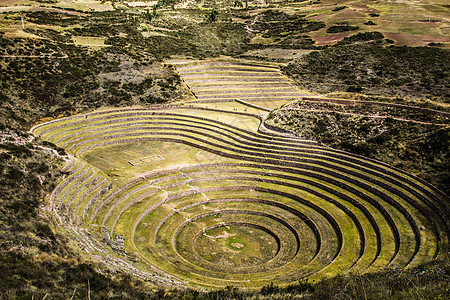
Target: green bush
x,y
339,8
213,15
370,23
363,37
341,28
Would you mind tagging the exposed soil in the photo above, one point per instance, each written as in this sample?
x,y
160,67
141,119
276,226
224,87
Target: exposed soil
x,y
415,39
330,40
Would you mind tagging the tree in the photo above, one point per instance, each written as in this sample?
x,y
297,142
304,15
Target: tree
x,y
213,15
147,15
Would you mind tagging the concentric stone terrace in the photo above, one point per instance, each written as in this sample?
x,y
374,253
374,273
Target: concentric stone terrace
x,y
208,197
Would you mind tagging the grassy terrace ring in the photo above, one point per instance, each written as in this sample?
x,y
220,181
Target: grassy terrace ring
x,y
211,200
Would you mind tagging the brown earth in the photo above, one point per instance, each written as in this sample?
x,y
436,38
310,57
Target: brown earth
x,y
415,39
329,40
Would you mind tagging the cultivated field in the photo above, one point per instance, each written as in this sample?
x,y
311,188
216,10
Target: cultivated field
x,y
205,195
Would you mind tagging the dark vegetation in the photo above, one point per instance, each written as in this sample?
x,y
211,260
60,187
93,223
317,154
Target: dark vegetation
x,y
288,31
213,15
341,28
370,23
276,23
363,37
402,71
46,17
338,8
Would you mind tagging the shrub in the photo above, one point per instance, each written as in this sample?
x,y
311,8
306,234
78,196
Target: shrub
x,y
213,15
339,8
433,44
16,150
341,28
363,37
